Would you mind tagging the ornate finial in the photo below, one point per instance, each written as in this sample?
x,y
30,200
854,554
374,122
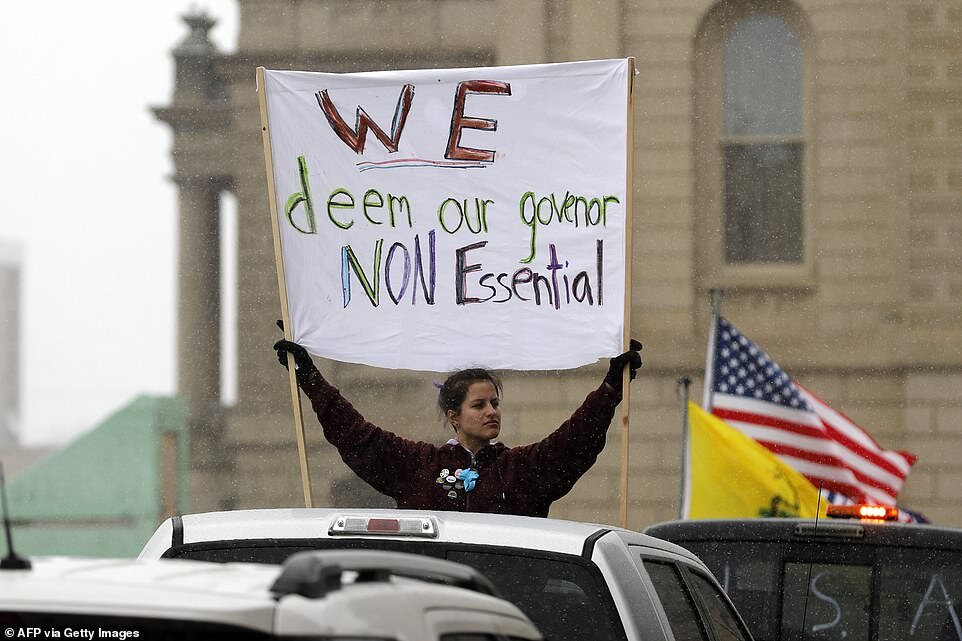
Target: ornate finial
x,y
197,41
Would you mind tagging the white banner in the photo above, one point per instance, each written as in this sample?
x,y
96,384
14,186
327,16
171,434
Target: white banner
x,y
445,218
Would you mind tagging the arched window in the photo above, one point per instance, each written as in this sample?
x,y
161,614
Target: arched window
x,y
751,142
762,142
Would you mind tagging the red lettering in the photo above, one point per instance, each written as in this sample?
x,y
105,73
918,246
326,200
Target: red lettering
x,y
459,122
356,137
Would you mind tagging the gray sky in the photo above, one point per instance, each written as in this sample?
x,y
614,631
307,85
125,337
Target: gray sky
x,y
86,197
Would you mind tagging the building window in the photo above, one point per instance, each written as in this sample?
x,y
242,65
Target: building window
x,y
762,142
753,188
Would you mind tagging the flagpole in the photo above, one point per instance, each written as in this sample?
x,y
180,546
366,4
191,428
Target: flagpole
x,y
625,407
706,402
282,291
685,383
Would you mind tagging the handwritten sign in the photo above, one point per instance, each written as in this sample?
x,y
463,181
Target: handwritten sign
x,y
439,219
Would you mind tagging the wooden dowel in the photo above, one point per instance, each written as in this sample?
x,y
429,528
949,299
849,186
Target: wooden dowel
x,y
282,290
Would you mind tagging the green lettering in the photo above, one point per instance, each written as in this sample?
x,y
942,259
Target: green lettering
x,y
340,204
372,204
592,204
349,260
545,201
441,215
562,213
402,204
604,209
484,213
533,223
303,196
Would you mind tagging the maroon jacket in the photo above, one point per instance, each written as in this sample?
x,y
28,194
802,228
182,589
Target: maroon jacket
x,y
520,480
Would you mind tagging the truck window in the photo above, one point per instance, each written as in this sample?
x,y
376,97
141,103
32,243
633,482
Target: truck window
x,y
895,589
749,574
827,601
679,608
920,595
565,600
723,620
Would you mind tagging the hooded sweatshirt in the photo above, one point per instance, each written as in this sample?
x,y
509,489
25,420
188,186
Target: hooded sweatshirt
x,y
519,480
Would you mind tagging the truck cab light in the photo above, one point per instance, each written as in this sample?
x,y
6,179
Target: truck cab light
x,y
863,512
353,525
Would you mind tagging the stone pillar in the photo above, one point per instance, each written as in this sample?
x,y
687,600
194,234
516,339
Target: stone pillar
x,y
198,334
199,118
198,309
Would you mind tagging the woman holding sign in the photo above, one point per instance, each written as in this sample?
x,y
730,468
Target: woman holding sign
x,y
471,472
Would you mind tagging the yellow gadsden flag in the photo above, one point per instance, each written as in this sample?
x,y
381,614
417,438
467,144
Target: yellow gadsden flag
x,y
733,476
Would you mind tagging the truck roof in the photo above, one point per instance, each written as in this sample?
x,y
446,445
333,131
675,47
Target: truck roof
x,y
826,531
533,533
312,593
162,589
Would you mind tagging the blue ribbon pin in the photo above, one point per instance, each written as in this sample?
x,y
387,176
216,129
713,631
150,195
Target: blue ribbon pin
x,y
469,477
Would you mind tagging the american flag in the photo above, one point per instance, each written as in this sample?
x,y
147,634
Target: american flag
x,y
753,394
905,515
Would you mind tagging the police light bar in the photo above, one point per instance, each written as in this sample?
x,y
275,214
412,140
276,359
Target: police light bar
x,y
353,525
864,512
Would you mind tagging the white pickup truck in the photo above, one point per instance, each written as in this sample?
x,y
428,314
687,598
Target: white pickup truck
x,y
321,596
576,581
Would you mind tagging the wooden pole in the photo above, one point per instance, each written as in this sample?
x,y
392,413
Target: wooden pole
x,y
685,383
625,386
282,290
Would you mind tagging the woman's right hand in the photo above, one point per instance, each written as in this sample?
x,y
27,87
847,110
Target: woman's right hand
x,y
302,360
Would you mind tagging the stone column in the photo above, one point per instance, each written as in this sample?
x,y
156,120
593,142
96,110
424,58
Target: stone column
x,y
198,334
199,117
198,309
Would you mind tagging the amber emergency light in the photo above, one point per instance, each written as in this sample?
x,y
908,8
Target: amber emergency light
x,y
864,512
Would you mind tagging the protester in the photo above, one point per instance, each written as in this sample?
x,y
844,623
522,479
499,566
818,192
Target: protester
x,y
472,472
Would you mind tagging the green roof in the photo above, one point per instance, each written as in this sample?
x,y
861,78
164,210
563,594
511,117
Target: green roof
x,y
104,493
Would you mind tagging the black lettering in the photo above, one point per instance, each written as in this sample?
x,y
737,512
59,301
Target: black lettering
x,y
483,282
387,271
585,292
553,266
428,290
523,275
462,269
538,279
599,265
507,288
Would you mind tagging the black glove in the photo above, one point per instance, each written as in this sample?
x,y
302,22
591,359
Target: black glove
x,y
631,358
302,360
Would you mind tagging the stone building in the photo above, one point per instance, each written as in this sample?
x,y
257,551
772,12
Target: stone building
x,y
803,155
